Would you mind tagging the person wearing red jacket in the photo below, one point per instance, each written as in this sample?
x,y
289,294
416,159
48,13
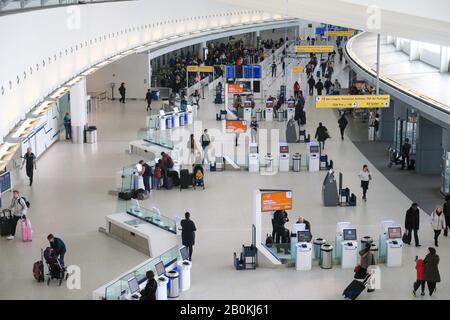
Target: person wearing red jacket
x,y
420,282
296,89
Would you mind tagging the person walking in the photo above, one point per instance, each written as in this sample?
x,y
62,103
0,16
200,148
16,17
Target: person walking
x,y
419,278
406,149
321,135
431,271
323,66
18,209
122,92
29,159
328,84
188,233
342,124
341,54
59,247
412,219
319,87
337,87
254,129
148,98
149,292
446,209
68,126
192,147
438,224
274,69
296,89
365,177
311,84
146,174
205,141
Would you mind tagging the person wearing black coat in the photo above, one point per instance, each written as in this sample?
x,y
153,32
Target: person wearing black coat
x,y
412,223
321,135
446,208
319,87
148,98
342,124
312,84
431,271
188,233
122,91
149,292
328,84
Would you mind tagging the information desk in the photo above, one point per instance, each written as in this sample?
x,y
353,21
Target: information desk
x,y
139,234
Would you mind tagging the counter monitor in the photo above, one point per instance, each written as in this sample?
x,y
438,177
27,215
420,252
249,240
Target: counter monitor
x,y
349,234
184,253
133,284
284,149
160,269
394,232
304,236
314,149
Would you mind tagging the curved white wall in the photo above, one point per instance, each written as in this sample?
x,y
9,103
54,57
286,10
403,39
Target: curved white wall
x,y
42,49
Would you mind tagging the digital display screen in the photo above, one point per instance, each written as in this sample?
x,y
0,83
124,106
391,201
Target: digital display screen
x,y
304,236
236,126
247,103
184,253
254,149
349,234
291,103
314,149
160,269
269,104
277,200
394,232
5,182
284,149
133,284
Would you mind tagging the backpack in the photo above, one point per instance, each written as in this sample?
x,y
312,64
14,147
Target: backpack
x,y
269,241
27,203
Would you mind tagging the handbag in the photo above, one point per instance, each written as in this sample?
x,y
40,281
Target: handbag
x,y
357,269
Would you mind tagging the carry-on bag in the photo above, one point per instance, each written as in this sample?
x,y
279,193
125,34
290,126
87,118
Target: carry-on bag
x,y
38,269
355,288
27,232
5,223
185,179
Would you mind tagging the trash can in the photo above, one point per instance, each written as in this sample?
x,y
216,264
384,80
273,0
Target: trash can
x,y
174,285
155,94
280,115
326,256
366,240
269,162
169,122
374,250
258,115
318,242
91,134
296,162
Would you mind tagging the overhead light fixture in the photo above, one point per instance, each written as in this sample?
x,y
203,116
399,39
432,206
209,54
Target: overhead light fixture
x,y
89,71
196,31
74,81
173,37
43,108
128,52
102,64
25,128
162,40
59,93
140,47
153,42
116,58
7,151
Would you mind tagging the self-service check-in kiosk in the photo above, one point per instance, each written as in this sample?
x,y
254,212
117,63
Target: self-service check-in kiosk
x,y
290,109
382,242
313,156
303,259
296,227
190,115
248,111
253,157
340,226
394,245
330,195
162,120
176,117
284,157
349,249
269,110
184,268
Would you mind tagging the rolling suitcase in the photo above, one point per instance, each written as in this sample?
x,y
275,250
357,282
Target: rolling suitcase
x,y
185,179
38,269
27,232
175,177
355,288
5,223
168,183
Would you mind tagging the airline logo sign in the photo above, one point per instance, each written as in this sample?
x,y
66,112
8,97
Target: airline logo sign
x,y
340,33
206,69
192,68
352,102
297,69
235,88
315,49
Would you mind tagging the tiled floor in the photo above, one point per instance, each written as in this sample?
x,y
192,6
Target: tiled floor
x,y
69,198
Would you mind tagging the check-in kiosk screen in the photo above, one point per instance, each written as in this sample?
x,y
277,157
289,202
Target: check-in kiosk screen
x,y
349,234
269,104
314,149
291,103
247,85
284,149
276,200
160,269
394,232
253,149
304,236
133,285
247,103
236,126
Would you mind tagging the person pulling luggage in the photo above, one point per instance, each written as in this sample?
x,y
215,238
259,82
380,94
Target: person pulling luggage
x,y
18,209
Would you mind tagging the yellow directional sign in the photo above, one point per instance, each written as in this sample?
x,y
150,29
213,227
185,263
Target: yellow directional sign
x,y
340,33
192,68
355,102
316,49
206,69
297,69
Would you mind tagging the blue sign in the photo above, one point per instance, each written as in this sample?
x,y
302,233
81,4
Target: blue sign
x,y
230,72
5,182
257,71
248,72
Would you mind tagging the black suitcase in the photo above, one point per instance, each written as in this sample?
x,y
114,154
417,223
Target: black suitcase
x,y
355,288
175,177
5,224
168,183
185,179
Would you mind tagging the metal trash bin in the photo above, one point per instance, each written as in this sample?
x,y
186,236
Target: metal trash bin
x,y
269,162
374,250
174,284
318,242
258,114
91,134
326,256
280,115
296,162
366,240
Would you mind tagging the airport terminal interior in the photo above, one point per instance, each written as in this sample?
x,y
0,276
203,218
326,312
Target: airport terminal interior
x,y
110,83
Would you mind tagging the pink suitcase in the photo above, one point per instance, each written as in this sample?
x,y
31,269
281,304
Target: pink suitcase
x,y
27,232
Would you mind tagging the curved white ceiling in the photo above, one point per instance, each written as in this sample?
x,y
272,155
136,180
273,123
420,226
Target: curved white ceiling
x,y
427,21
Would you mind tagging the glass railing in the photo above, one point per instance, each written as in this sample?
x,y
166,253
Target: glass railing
x,y
152,216
159,141
120,289
16,5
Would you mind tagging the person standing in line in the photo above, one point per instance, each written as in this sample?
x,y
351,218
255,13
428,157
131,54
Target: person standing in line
x,y
29,159
274,69
406,148
431,271
342,124
18,209
323,66
122,92
58,246
412,220
205,140
321,135
319,87
148,98
419,278
438,224
146,174
446,209
311,84
68,126
188,233
328,84
149,292
365,177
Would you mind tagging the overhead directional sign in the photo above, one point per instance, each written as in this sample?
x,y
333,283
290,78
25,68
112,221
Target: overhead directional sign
x,y
315,49
192,68
297,69
206,69
352,102
340,33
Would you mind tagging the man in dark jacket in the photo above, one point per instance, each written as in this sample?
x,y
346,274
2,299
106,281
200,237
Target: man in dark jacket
x,y
446,208
311,84
146,175
122,92
280,217
319,87
58,245
321,135
188,233
342,124
328,84
149,292
148,98
412,223
406,148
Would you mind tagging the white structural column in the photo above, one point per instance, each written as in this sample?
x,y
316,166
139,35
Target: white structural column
x,y
445,59
201,48
78,111
398,43
390,39
414,53
378,64
149,69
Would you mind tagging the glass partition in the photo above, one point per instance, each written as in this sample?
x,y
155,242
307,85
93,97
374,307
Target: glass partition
x,y
152,216
119,288
159,141
130,178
